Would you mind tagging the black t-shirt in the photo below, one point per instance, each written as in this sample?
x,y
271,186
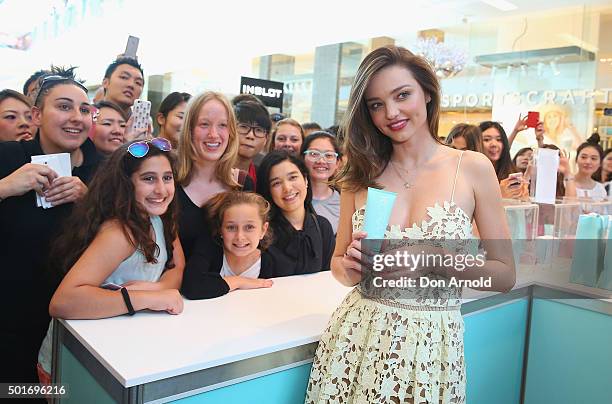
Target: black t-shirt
x,y
26,232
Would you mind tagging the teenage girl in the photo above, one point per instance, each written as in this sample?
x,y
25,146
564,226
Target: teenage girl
x,y
122,250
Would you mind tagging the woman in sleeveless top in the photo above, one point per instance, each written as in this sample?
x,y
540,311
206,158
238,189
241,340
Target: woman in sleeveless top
x,y
120,247
384,350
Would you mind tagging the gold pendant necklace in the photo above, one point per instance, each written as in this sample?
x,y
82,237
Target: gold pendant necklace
x,y
407,183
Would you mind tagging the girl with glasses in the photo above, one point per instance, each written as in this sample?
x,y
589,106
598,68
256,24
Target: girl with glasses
x,y
62,113
122,253
321,155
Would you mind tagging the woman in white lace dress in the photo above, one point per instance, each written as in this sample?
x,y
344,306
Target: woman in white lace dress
x,y
384,350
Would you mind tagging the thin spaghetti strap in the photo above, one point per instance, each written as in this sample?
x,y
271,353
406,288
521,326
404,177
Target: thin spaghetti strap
x,y
456,175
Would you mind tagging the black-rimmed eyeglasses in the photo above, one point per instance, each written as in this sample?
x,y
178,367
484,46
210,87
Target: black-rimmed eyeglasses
x,y
258,131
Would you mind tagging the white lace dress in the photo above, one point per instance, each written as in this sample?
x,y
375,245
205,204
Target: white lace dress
x,y
386,351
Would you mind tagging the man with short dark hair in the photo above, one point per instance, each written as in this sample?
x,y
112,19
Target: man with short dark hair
x,y
30,87
123,82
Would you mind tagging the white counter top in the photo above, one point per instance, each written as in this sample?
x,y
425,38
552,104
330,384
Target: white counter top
x,y
240,325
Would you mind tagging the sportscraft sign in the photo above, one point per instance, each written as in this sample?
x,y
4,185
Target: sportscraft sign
x,y
270,92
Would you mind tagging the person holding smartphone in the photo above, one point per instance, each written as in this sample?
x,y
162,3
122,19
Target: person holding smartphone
x,y
497,149
63,115
531,120
123,82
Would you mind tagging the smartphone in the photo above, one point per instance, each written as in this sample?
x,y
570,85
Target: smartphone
x,y
517,179
111,286
141,111
533,117
131,47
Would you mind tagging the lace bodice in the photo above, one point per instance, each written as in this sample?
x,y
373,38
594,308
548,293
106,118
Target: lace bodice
x,y
446,221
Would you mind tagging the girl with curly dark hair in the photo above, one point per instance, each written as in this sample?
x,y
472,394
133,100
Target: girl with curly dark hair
x,y
120,245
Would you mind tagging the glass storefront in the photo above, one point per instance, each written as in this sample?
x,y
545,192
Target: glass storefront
x,y
558,63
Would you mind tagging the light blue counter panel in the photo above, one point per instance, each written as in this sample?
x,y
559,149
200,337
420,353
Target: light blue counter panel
x,y
83,388
494,349
285,387
570,355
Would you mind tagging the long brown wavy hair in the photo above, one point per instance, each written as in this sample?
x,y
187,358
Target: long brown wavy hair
x,y
111,197
367,150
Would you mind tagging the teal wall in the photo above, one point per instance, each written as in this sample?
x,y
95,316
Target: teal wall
x,y
494,345
570,355
82,387
286,387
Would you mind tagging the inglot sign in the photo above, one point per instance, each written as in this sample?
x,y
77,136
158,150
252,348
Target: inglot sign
x,y
270,92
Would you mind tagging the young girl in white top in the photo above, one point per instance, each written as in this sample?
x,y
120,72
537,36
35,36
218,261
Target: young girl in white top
x,y
122,249
234,257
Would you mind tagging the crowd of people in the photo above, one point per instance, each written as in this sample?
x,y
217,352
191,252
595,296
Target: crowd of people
x,y
226,196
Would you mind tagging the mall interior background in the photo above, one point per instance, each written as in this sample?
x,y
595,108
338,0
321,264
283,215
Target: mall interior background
x,y
556,60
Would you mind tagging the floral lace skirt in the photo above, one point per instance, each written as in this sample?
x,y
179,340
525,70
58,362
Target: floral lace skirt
x,y
375,353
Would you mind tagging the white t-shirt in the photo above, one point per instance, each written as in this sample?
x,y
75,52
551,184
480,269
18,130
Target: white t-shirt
x,y
252,272
597,192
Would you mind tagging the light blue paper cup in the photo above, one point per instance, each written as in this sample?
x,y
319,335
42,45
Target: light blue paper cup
x,y
378,211
588,258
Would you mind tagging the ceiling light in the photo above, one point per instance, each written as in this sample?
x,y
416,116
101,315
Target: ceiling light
x,y
502,5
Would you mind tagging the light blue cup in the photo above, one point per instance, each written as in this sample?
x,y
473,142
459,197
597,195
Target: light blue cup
x,y
588,258
378,211
605,278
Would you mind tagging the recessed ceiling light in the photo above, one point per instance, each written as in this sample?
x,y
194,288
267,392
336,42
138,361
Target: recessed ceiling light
x,y
502,5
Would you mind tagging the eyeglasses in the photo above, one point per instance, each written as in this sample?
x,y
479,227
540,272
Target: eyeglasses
x,y
141,148
244,129
315,155
46,80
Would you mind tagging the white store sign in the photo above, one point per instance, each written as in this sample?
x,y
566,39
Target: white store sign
x,y
563,97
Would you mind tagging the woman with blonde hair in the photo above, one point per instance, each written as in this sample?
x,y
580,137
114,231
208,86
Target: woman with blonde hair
x,y
288,135
208,149
385,350
558,128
